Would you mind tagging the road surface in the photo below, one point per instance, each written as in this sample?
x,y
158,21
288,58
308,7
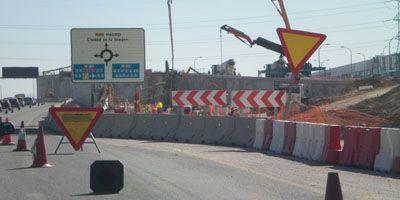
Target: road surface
x,y
160,170
30,116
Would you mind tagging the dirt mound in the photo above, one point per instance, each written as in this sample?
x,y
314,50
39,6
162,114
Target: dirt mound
x,y
376,82
318,114
385,106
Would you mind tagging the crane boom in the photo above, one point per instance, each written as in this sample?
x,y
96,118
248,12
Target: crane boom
x,y
259,41
238,34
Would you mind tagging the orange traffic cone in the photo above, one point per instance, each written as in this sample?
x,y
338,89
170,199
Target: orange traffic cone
x,y
21,145
39,151
7,138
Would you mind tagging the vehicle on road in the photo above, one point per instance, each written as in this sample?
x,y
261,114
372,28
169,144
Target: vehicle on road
x,y
21,101
29,101
6,105
14,103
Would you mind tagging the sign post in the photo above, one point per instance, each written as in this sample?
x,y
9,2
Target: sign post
x,y
76,123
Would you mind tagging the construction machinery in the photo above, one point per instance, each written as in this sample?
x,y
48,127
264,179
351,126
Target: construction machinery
x,y
278,68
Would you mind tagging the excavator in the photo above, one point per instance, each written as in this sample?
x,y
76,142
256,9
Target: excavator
x,y
277,69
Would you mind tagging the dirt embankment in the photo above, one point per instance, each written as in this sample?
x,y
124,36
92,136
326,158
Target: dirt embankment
x,y
385,106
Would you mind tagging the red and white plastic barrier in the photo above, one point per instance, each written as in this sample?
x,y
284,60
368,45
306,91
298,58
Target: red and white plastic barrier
x,y
199,98
258,98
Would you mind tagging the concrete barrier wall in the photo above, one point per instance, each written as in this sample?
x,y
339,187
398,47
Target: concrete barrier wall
x,y
318,142
144,125
163,127
123,125
243,133
216,130
189,127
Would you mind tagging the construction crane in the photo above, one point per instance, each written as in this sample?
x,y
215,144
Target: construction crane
x,y
248,41
277,69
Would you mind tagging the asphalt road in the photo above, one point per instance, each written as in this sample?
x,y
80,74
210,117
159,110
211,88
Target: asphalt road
x,y
30,116
158,170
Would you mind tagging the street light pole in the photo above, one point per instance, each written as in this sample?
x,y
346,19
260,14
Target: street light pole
x,y
319,53
194,61
351,60
390,59
365,64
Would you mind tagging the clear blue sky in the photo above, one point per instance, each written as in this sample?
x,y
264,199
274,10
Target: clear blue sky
x,y
36,32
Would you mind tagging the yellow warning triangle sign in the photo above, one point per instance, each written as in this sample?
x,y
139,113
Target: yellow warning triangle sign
x,y
76,123
298,46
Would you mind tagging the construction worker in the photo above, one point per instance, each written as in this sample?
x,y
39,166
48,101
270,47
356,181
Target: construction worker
x,y
159,107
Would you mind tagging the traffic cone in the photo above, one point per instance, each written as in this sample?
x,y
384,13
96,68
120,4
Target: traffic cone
x,y
333,189
21,145
39,151
7,138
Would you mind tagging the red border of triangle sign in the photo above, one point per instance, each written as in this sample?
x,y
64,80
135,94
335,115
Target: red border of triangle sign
x,y
295,68
76,144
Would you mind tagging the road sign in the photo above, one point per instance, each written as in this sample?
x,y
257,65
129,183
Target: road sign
x,y
76,123
107,54
199,98
298,46
20,72
258,98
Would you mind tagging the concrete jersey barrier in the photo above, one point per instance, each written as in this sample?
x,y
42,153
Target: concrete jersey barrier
x,y
123,125
189,127
163,127
143,125
243,133
104,125
216,129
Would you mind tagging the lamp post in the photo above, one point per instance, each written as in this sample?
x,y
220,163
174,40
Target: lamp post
x,y
319,53
390,57
194,61
351,60
365,64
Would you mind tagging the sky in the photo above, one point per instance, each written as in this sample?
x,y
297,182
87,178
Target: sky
x,y
37,32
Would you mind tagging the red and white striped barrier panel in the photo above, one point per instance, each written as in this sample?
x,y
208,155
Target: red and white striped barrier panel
x,y
258,98
199,98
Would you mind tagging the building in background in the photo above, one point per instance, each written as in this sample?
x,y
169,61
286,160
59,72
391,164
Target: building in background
x,y
378,65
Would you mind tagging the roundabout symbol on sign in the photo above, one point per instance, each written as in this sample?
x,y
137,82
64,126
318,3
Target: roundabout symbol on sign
x,y
106,54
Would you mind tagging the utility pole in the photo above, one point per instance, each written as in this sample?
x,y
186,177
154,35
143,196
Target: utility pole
x,y
169,3
283,13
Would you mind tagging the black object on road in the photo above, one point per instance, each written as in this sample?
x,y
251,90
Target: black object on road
x,y
6,128
106,176
333,189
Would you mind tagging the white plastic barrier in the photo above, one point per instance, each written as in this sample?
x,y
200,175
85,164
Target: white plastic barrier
x,y
301,140
308,150
389,149
318,138
278,136
260,135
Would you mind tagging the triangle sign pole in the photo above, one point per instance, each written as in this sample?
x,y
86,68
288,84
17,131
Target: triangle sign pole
x,y
298,46
76,123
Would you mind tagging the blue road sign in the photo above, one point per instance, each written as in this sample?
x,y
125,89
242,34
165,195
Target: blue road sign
x,y
88,71
126,70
